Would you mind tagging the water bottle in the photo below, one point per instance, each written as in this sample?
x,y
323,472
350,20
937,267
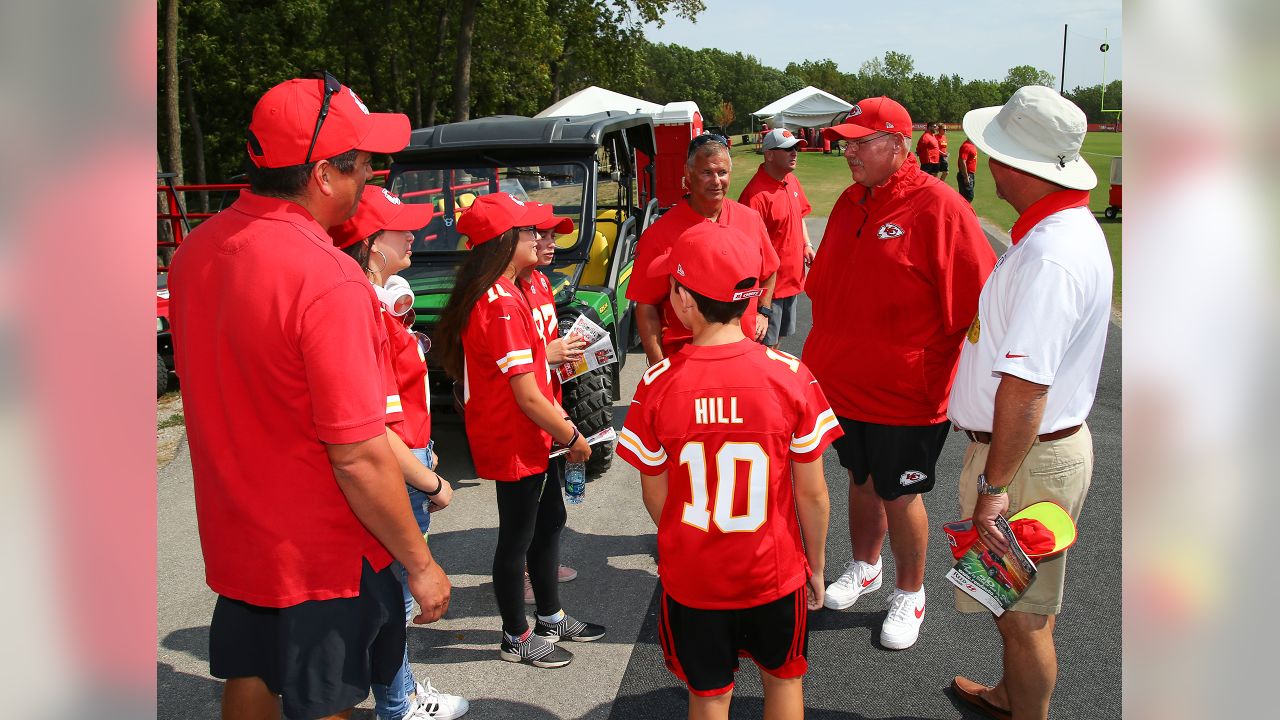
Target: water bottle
x,y
575,482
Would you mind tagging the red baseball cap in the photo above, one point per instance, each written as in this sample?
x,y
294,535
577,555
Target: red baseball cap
x,y
380,210
284,121
561,225
493,214
873,115
1042,529
712,259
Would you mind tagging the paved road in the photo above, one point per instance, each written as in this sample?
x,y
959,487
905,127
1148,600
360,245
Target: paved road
x,y
610,541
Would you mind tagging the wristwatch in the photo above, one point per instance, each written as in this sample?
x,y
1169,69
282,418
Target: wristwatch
x,y
765,311
985,489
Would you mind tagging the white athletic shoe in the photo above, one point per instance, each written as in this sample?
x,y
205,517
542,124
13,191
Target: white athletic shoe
x,y
901,626
431,704
858,578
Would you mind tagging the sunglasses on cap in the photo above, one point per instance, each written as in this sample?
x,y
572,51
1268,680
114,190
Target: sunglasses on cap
x,y
331,86
705,139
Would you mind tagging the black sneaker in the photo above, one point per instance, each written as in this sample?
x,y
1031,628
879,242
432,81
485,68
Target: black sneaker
x,y
568,629
534,650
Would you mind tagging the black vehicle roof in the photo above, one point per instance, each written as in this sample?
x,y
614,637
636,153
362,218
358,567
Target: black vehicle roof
x,y
503,134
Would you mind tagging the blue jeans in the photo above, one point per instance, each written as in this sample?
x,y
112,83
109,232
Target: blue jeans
x,y
391,702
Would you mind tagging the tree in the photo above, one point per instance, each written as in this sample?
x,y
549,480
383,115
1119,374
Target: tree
x,y
1024,75
462,64
172,115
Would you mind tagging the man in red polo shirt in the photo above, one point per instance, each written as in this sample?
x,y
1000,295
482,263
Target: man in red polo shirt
x,y
894,287
300,502
775,193
965,175
929,151
706,177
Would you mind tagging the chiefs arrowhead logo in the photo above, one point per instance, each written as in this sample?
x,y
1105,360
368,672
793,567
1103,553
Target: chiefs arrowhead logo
x,y
890,230
359,103
391,198
855,112
911,477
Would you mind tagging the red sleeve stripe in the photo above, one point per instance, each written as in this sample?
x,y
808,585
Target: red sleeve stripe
x,y
652,458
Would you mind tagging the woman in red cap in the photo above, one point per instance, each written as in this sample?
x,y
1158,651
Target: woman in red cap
x,y
489,343
379,237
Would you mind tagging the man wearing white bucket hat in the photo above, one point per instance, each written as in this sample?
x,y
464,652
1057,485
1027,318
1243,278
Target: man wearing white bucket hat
x,y
1029,370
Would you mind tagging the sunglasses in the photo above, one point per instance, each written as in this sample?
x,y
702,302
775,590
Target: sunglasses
x,y
331,86
528,228
705,139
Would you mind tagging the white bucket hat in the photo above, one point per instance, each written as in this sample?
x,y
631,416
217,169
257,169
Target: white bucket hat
x,y
1037,131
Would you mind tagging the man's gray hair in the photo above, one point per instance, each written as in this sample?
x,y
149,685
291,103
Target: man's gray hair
x,y
706,149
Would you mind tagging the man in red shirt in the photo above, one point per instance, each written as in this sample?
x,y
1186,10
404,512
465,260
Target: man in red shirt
x,y
929,150
706,177
300,501
719,432
894,287
965,176
775,193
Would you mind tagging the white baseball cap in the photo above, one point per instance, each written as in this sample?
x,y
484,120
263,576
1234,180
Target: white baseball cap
x,y
780,139
1037,131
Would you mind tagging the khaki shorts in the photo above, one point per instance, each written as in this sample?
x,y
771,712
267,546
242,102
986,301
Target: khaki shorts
x,y
1060,471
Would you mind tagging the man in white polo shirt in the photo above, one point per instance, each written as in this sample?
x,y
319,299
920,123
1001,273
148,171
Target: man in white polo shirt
x,y
1029,370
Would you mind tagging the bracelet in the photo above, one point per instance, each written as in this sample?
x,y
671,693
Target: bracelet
x,y
765,311
439,486
573,439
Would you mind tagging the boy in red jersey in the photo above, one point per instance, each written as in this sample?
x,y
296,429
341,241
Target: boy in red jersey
x,y
718,432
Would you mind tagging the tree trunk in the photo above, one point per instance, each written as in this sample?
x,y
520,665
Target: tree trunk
x,y
171,89
462,70
197,136
433,88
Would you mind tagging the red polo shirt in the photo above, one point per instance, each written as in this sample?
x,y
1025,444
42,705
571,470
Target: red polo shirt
x,y
278,344
660,236
413,392
928,149
500,342
894,287
969,156
782,205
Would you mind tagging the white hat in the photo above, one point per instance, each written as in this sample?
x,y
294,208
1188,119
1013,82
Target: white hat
x,y
779,139
1037,131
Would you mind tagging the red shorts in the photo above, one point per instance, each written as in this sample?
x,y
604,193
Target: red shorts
x,y
702,647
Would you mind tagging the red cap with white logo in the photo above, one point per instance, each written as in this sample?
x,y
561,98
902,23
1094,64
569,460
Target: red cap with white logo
x,y
873,115
712,260
493,214
380,210
284,122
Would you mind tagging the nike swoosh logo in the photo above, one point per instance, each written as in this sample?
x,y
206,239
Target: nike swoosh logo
x,y
505,317
871,580
919,612
1011,356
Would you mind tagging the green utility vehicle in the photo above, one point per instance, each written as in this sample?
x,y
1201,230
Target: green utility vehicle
x,y
596,169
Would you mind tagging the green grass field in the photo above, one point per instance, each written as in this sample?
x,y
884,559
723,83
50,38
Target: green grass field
x,y
824,177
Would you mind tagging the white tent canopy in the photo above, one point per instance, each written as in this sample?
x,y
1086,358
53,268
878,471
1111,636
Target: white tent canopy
x,y
594,99
809,107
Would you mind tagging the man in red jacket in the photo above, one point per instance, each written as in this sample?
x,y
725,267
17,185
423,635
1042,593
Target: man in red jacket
x,y
894,287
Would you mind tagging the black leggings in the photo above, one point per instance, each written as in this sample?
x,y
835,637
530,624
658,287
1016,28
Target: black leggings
x,y
530,517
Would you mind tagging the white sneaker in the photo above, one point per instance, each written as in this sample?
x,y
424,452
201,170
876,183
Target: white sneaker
x,y
858,578
431,704
902,625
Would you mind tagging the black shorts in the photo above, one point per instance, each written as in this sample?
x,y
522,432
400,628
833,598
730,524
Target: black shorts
x,y
900,459
320,656
943,165
931,168
702,647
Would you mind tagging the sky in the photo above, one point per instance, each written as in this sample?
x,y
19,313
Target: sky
x,y
976,39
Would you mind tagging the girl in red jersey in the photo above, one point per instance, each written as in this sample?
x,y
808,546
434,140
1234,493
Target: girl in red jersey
x,y
378,237
489,343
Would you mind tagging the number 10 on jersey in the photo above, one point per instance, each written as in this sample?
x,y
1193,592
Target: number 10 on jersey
x,y
699,511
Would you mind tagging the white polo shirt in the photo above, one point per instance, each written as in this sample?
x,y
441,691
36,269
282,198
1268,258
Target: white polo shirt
x,y
1042,317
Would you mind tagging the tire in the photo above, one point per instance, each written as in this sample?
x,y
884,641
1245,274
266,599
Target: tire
x,y
588,399
162,376
1111,212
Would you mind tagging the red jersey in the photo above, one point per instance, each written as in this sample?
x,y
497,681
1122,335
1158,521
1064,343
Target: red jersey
x,y
726,422
969,156
500,341
537,291
928,149
659,237
782,206
280,351
413,392
942,143
894,287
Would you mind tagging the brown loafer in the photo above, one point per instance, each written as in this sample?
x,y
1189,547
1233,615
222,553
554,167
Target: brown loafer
x,y
973,693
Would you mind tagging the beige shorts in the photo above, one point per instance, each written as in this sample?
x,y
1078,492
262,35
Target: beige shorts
x,y
1060,471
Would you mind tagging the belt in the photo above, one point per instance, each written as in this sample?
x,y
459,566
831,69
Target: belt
x,y
985,437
